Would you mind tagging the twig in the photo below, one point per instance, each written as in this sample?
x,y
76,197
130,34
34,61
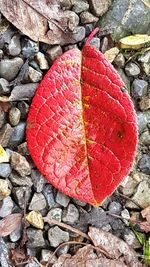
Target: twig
x,y
76,243
63,225
117,216
130,199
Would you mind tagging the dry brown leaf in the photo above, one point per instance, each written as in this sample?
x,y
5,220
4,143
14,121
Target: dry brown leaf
x,y
41,20
10,224
145,226
114,246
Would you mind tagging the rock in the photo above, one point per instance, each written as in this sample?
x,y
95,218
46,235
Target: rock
x,y
23,91
88,28
34,75
5,134
53,53
6,207
126,18
111,54
5,170
4,190
87,17
145,58
95,42
115,208
29,47
67,4
131,239
119,60
20,164
4,87
2,118
146,68
124,78
71,214
143,120
14,116
32,264
144,164
38,202
55,213
19,195
80,6
144,104
23,149
18,135
17,180
68,47
41,60
46,255
128,186
118,226
48,194
99,8
145,138
126,216
79,203
62,199
73,19
3,155
38,181
9,68
56,236
139,88
142,195
104,46
16,235
35,218
14,47
24,109
96,217
132,69
1,54
35,238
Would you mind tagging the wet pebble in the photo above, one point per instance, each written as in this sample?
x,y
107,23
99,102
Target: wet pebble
x,y
9,68
38,202
139,88
70,215
14,116
62,199
38,181
87,17
56,236
132,69
14,47
4,87
6,207
20,164
5,170
35,238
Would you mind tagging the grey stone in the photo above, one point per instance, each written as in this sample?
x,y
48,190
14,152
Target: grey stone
x,y
131,239
87,17
2,118
126,216
71,214
115,207
79,203
68,47
19,195
38,181
15,235
23,91
18,135
38,202
104,46
80,6
62,199
4,87
95,42
144,103
55,213
20,164
73,19
9,68
143,120
63,250
29,48
142,195
99,8
139,88
35,238
5,134
42,61
128,186
23,149
67,4
118,226
119,60
32,264
14,47
14,116
34,75
132,69
48,193
124,78
56,236
1,54
88,29
146,68
17,180
145,138
6,207
96,217
144,164
53,53
4,256
126,18
145,58
5,170
46,254
24,108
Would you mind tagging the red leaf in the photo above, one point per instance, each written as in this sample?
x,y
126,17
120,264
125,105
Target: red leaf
x,y
82,129
10,224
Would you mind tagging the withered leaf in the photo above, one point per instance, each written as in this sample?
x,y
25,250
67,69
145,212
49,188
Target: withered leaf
x,y
32,17
10,224
145,226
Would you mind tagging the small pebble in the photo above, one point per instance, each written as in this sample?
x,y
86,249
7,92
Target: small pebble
x,y
9,68
49,196
20,164
23,149
24,109
1,54
4,189
35,218
35,238
145,138
95,42
126,216
14,47
144,103
16,235
32,264
115,208
4,87
42,62
104,45
57,236
70,215
55,213
144,164
5,170
132,69
17,135
120,60
73,19
14,116
3,155
38,181
53,53
111,54
6,207
29,48
46,255
62,199
38,202
99,7
17,180
34,75
67,4
145,58
146,68
19,195
63,250
5,134
80,6
87,17
139,88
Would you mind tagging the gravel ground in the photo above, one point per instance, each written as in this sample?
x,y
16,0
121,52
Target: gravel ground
x,y
23,64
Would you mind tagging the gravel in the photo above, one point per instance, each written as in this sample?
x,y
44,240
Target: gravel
x,y
9,68
57,236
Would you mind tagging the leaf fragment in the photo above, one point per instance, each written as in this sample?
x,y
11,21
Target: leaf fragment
x,y
10,224
134,42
